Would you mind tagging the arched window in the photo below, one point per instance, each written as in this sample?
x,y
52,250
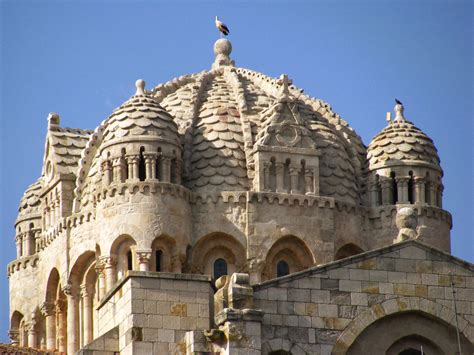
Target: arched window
x,y
220,268
141,166
159,260
394,188
283,268
129,260
411,352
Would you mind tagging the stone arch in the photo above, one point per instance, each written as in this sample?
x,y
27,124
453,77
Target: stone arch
x,y
170,260
52,285
399,305
120,251
291,250
412,345
214,246
84,286
17,333
347,250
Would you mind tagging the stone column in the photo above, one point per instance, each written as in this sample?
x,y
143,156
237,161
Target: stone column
x,y
49,312
32,334
166,164
57,209
117,170
110,266
14,336
440,195
402,189
179,171
387,193
86,314
177,262
431,187
150,165
19,245
294,175
419,183
266,176
279,170
29,243
374,193
61,312
100,270
132,163
143,257
107,172
72,320
308,181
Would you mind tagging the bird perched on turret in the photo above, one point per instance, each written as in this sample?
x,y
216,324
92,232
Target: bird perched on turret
x,y
398,101
222,27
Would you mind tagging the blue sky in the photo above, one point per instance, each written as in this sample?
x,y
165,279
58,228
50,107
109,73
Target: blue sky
x,y
81,59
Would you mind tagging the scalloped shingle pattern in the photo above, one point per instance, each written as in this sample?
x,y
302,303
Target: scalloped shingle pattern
x,y
30,201
67,145
140,116
401,140
209,112
218,157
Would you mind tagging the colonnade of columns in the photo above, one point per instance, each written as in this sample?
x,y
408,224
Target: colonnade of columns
x,y
279,169
157,167
26,242
423,191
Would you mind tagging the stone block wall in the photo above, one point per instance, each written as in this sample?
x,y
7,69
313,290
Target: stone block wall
x,y
323,310
153,311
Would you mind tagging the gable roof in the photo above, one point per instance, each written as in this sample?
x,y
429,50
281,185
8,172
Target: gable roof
x,y
364,256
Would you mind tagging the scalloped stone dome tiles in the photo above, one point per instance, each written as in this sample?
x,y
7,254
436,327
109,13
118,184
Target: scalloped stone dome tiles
x,y
401,140
140,116
30,202
217,160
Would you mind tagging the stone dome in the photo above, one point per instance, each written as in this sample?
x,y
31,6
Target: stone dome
x,y
141,115
220,113
30,204
402,143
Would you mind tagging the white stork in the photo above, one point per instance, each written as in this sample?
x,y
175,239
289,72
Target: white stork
x,y
222,27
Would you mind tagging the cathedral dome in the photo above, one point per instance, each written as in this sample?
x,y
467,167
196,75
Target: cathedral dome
x,y
141,115
402,143
30,204
221,112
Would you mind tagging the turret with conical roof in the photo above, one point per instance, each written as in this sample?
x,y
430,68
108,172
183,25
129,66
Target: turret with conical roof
x,y
404,165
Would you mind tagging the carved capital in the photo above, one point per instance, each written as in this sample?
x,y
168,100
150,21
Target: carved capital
x,y
14,335
386,184
108,261
402,179
308,172
84,291
67,289
132,158
48,309
61,306
106,165
143,256
294,170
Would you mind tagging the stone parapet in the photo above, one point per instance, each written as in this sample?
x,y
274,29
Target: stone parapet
x,y
22,263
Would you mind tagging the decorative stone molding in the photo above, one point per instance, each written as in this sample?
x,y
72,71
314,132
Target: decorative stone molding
x,y
393,306
22,263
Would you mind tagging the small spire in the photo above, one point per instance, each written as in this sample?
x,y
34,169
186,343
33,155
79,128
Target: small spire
x,y
399,111
222,50
53,120
284,81
140,85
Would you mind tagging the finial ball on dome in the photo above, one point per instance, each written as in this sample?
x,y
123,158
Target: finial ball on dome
x,y
140,85
223,46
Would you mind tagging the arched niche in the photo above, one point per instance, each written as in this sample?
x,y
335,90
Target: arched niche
x,y
217,246
289,250
84,285
17,329
164,255
402,331
347,250
123,249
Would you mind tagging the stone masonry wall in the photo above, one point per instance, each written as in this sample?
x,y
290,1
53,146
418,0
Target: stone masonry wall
x,y
308,311
153,311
